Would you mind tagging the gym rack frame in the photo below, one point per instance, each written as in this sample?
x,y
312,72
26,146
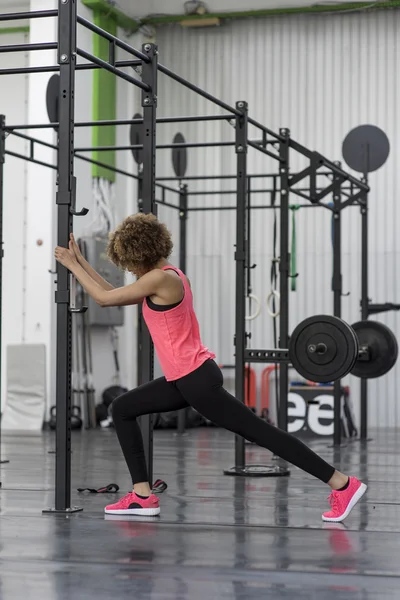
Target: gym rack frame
x,y
280,144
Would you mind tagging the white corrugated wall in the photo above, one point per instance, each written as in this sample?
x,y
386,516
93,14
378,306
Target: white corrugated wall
x,y
320,76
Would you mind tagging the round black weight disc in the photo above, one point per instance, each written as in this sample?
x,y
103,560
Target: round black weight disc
x,y
382,346
179,156
52,98
258,471
136,138
340,354
366,148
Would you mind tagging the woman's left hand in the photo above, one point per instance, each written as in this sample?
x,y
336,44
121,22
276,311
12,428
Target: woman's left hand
x,y
65,257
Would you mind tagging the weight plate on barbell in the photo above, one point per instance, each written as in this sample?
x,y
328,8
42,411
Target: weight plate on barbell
x,y
382,349
323,348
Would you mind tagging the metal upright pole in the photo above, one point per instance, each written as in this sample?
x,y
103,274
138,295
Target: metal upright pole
x,y
337,297
149,103
67,15
284,264
183,215
240,258
364,306
139,306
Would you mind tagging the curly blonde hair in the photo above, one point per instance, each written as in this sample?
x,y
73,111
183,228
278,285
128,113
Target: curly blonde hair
x,y
139,243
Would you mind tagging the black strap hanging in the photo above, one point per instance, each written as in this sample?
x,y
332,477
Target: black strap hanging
x,y
111,488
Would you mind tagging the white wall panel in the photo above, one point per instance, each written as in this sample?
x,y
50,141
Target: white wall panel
x,y
320,76
13,105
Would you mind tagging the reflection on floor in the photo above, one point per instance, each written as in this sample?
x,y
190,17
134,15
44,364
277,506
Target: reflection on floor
x,y
218,537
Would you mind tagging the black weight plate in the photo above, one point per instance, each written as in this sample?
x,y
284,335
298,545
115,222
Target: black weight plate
x,y
341,348
52,98
383,349
136,138
179,156
366,148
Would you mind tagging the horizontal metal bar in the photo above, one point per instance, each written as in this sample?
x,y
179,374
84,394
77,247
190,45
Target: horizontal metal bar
x,y
28,70
32,139
263,128
224,192
33,160
112,38
198,90
253,207
267,356
264,151
162,203
212,177
194,119
160,120
159,147
107,67
12,128
29,47
37,14
120,171
195,145
119,63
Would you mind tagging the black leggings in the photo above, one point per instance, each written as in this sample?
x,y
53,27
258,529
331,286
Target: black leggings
x,y
203,390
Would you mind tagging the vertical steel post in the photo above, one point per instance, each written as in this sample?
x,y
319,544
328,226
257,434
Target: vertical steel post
x,y
337,297
67,23
284,264
149,103
240,258
364,307
183,215
139,306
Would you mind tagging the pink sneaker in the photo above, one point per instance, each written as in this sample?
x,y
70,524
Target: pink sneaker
x,y
133,505
342,503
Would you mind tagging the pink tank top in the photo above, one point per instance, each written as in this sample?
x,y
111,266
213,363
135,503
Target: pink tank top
x,y
176,335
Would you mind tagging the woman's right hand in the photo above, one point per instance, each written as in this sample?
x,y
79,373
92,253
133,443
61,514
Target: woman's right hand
x,y
73,246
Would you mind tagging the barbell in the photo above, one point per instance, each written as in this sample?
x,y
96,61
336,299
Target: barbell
x,y
325,348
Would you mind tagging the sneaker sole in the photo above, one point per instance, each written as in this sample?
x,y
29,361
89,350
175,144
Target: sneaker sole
x,y
146,512
357,496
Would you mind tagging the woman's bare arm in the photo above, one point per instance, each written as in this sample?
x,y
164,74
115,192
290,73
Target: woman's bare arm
x,y
94,274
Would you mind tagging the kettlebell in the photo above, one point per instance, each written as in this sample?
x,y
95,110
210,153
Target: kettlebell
x,y
76,420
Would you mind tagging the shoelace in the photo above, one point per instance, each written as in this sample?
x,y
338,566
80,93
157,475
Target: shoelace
x,y
127,499
333,500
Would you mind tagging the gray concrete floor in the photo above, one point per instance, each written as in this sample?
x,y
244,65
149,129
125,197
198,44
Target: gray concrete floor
x,y
218,537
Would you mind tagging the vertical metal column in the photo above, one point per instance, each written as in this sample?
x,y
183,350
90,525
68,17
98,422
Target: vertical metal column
x,y
284,264
149,103
364,306
66,205
139,306
337,297
183,215
240,258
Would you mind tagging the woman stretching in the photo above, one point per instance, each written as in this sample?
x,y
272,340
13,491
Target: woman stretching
x,y
142,245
